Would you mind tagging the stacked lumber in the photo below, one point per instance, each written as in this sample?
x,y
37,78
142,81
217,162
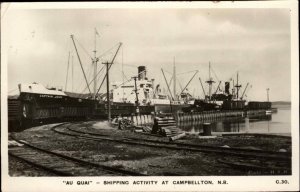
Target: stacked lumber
x,y
147,129
143,128
170,131
166,126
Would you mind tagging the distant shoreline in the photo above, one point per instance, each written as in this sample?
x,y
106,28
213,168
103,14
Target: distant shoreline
x,y
281,103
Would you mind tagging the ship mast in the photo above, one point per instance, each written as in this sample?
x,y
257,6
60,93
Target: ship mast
x,y
210,82
107,91
268,94
237,86
95,60
174,79
123,75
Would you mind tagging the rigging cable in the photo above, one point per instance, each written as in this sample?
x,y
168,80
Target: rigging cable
x,y
189,82
179,84
67,72
95,78
215,74
12,90
81,84
72,37
83,48
186,72
128,80
61,57
103,54
108,67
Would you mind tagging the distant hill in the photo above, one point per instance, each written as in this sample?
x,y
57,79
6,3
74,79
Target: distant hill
x,y
281,103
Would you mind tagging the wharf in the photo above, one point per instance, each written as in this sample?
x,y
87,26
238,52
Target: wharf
x,y
151,155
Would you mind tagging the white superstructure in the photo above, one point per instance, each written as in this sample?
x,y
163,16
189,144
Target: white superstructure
x,y
125,93
39,89
146,93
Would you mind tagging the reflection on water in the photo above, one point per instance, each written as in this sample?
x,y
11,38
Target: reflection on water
x,y
279,122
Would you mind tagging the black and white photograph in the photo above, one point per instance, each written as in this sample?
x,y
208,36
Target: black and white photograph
x,y
146,96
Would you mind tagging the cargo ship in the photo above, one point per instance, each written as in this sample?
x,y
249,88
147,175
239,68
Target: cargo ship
x,y
225,100
141,92
37,104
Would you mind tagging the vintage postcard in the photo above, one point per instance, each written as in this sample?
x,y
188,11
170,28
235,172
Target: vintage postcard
x,y
150,96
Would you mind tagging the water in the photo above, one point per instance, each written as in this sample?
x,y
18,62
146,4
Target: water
x,y
277,123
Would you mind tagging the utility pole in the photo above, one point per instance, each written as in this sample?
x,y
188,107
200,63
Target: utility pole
x,y
136,95
107,91
268,94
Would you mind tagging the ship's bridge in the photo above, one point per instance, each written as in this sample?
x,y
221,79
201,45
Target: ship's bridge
x,y
126,92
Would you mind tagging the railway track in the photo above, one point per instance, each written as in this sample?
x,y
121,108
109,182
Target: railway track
x,y
63,165
256,167
238,152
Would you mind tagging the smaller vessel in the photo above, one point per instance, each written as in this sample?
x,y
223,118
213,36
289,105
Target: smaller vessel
x,y
219,100
141,92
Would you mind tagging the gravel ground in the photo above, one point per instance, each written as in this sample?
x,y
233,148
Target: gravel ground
x,y
18,167
147,160
251,142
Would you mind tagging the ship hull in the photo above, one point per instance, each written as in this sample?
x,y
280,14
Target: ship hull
x,y
122,109
172,108
31,109
126,109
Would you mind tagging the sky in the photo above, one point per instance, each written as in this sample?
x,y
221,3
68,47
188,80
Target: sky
x,y
253,42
